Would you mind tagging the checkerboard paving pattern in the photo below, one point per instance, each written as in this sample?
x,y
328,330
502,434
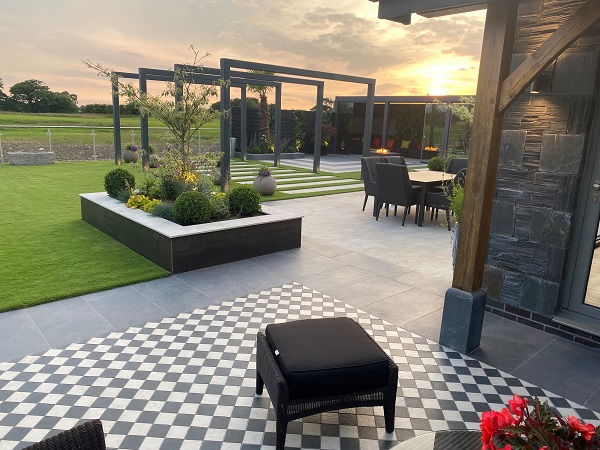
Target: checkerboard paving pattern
x,y
188,382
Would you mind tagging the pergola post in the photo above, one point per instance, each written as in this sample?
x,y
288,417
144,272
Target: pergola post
x,y
116,121
225,127
464,305
243,124
277,152
318,130
369,119
384,131
144,138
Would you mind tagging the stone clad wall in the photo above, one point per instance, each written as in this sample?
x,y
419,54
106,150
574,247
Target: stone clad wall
x,y
543,149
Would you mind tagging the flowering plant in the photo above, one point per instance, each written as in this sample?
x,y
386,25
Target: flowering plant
x,y
131,147
264,171
538,429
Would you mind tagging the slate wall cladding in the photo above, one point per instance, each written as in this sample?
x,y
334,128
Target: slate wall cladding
x,y
542,151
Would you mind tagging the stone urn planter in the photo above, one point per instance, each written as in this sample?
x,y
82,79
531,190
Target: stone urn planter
x,y
131,154
264,182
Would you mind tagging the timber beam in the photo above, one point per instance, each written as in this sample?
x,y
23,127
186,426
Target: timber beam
x,y
516,83
496,54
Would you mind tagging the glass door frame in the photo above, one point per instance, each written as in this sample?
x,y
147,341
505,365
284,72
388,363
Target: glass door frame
x,y
584,230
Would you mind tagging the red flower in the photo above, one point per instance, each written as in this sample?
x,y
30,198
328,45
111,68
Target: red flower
x,y
518,405
490,423
587,431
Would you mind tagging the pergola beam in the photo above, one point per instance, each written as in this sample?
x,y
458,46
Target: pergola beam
x,y
516,83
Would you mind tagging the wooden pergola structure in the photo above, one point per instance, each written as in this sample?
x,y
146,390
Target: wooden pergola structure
x,y
497,89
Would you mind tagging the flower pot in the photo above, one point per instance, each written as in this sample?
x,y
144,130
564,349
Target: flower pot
x,y
130,156
265,185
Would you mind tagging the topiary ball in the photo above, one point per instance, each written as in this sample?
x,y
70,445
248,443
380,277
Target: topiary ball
x,y
191,208
118,180
436,164
244,201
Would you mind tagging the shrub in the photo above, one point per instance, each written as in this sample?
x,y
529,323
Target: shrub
x,y
289,149
219,206
244,201
256,150
154,161
171,188
149,187
118,180
437,164
137,201
164,210
151,205
191,208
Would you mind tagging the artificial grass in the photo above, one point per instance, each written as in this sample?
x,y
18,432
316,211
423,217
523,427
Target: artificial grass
x,y
47,252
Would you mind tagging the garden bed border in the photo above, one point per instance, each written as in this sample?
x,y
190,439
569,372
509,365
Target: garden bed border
x,y
180,249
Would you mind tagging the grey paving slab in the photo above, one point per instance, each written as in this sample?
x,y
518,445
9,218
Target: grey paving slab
x,y
293,265
20,336
342,275
322,189
373,264
252,275
425,282
68,321
566,367
215,284
125,307
506,344
406,306
173,295
367,291
427,326
322,247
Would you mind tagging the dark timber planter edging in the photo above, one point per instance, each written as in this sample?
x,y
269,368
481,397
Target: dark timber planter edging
x,y
180,249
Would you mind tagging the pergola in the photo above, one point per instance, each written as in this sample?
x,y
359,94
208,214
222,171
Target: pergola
x,y
497,89
241,79
309,77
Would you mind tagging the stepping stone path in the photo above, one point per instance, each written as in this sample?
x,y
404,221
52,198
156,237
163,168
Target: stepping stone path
x,y
290,181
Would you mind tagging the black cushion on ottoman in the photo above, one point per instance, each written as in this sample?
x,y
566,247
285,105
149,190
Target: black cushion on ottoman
x,y
333,356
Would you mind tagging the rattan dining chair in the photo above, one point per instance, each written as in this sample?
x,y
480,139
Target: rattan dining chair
x,y
394,188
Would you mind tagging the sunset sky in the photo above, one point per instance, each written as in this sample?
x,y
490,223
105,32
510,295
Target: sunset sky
x,y
47,40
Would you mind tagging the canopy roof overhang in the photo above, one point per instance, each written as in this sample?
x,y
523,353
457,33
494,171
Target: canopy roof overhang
x,y
401,10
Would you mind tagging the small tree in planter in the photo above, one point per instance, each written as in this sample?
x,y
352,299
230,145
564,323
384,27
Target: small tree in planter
x,y
184,118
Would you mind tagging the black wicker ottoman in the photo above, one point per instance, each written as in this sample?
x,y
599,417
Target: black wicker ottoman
x,y
318,365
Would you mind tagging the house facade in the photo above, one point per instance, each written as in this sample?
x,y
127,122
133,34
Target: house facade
x,y
539,268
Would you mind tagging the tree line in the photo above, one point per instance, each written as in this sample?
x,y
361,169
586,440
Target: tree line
x,y
34,96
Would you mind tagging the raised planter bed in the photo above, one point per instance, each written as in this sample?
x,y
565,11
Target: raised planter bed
x,y
30,158
268,156
180,249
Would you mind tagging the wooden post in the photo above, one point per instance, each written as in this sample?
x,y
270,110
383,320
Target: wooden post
x,y
496,54
464,303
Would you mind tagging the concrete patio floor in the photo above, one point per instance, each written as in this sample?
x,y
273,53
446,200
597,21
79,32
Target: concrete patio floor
x,y
399,274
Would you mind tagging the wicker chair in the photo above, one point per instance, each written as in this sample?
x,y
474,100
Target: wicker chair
x,y
394,188
369,177
456,165
437,200
288,407
87,436
395,160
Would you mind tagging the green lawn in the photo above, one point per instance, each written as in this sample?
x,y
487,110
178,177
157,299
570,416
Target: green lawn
x,y
47,252
82,136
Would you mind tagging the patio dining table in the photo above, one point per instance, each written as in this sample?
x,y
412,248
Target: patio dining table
x,y
426,179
